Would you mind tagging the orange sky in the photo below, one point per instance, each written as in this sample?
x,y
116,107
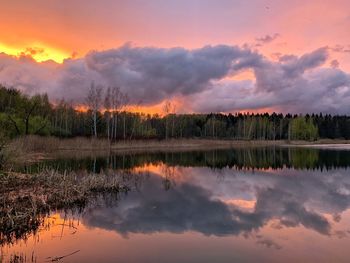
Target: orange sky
x,y
58,30
63,29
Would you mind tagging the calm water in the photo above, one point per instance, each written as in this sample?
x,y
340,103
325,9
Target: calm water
x,y
257,205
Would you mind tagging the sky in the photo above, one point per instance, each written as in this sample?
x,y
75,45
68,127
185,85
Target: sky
x,y
203,55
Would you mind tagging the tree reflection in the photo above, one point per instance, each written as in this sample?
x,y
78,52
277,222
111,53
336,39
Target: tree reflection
x,y
239,158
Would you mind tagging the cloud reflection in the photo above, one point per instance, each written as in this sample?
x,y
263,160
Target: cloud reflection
x,y
299,199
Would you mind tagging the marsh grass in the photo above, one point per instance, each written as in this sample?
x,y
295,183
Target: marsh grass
x,y
26,199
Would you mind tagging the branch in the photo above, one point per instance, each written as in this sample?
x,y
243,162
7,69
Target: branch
x,y
14,123
31,110
42,127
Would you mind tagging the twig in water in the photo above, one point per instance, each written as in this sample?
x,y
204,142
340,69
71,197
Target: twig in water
x,y
56,259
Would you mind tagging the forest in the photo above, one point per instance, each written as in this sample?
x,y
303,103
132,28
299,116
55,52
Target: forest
x,y
107,116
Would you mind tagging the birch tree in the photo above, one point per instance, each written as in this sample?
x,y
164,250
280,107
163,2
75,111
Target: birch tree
x,y
93,102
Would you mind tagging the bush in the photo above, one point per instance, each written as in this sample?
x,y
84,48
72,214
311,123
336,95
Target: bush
x,y
303,129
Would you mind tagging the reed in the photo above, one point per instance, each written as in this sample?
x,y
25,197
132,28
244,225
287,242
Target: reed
x,y
26,199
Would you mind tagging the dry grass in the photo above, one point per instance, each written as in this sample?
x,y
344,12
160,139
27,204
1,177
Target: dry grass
x,y
28,149
36,144
34,148
24,199
39,144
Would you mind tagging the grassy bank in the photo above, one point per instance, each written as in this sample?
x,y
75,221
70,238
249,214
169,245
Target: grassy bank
x,y
33,148
49,144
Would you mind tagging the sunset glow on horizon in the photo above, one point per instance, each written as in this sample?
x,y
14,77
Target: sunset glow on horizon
x,y
40,53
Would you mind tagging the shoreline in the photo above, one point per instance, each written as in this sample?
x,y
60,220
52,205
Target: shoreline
x,y
34,148
39,144
339,146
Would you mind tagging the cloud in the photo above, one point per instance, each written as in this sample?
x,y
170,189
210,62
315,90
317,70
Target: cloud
x,y
153,74
147,74
203,78
289,85
297,66
198,203
341,49
32,51
269,243
289,209
186,207
334,63
26,74
267,38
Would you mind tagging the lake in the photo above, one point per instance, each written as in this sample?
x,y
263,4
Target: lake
x,y
274,204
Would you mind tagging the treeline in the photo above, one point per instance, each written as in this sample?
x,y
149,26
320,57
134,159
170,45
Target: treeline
x,y
23,115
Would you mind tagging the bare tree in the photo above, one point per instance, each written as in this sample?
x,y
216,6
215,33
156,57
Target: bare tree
x,y
93,101
29,109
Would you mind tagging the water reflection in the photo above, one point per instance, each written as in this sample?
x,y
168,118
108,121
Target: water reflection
x,y
269,204
200,202
238,158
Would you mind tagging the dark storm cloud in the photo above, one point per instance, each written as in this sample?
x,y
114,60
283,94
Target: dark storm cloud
x,y
199,77
153,74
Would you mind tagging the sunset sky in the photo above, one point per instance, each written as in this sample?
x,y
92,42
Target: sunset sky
x,y
205,55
